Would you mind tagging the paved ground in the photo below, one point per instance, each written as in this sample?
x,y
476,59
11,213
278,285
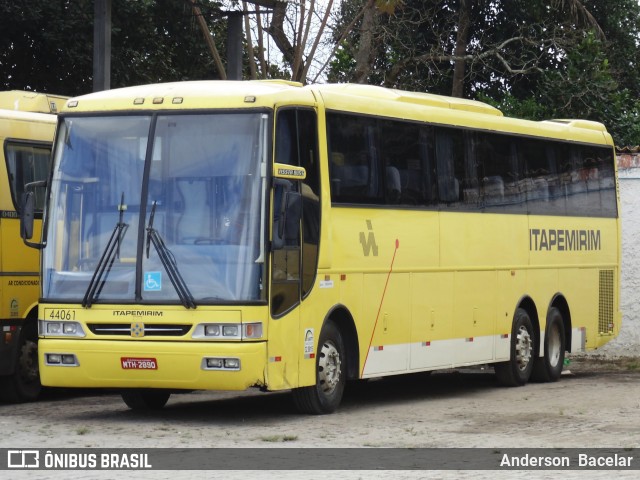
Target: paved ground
x,y
595,405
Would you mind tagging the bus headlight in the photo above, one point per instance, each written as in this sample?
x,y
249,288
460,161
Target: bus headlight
x,y
228,331
60,329
212,330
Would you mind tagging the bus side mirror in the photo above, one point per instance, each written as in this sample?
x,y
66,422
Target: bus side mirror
x,y
286,226
27,214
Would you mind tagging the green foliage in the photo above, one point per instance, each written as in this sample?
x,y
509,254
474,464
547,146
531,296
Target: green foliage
x,y
342,66
47,45
529,108
530,58
583,86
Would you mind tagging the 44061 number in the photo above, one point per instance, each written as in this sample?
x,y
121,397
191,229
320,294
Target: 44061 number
x,y
59,314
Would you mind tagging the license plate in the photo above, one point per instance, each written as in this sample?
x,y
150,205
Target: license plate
x,y
129,363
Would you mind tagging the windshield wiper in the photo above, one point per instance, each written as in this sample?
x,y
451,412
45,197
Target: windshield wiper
x,y
110,253
169,262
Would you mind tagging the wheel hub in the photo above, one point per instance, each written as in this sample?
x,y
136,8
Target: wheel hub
x,y
329,367
523,348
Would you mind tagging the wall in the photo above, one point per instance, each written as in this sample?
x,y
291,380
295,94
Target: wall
x,y
628,342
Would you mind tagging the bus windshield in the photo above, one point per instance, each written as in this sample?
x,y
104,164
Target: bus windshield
x,y
157,209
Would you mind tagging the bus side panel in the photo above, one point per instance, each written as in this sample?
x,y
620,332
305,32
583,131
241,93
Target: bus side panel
x,y
591,288
432,320
582,293
389,305
479,248
385,246
474,315
20,264
483,241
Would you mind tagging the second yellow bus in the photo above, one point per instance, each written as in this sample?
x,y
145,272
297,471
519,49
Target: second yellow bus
x,y
26,133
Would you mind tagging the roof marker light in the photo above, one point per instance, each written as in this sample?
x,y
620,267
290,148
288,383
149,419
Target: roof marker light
x,y
138,101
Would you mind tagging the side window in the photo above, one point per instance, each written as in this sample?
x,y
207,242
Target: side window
x,y
541,174
353,160
575,175
405,157
593,182
27,163
606,184
447,154
296,144
503,186
456,168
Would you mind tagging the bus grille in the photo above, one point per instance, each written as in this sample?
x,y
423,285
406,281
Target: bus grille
x,y
150,329
605,310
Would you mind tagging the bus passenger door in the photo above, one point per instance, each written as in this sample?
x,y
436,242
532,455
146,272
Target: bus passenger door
x,y
294,254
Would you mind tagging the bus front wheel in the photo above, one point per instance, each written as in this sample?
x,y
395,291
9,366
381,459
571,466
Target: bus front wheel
x,y
24,384
326,394
146,399
548,368
517,371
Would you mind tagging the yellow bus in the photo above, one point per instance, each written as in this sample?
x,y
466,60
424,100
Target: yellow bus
x,y
227,235
26,134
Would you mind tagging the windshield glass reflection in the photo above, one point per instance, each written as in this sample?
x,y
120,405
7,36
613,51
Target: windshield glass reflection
x,y
199,176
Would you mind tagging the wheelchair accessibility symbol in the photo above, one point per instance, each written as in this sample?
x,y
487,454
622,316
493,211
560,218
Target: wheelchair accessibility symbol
x,y
152,281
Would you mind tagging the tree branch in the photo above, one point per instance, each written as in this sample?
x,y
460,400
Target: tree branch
x,y
206,33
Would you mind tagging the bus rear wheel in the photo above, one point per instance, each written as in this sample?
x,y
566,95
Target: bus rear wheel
x,y
548,368
517,371
146,399
325,396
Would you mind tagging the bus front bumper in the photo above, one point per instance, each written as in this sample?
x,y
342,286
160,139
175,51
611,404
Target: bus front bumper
x,y
150,364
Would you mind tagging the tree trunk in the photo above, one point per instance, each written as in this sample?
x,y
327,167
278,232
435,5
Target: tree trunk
x,y
462,38
276,30
365,48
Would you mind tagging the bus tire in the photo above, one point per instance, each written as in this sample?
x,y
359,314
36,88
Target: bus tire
x,y
146,399
24,384
517,371
325,396
548,368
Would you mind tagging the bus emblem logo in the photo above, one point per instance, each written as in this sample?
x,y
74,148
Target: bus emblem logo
x,y
369,242
137,330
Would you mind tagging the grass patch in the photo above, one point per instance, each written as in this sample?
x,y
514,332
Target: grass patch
x,y
279,438
604,363
633,366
